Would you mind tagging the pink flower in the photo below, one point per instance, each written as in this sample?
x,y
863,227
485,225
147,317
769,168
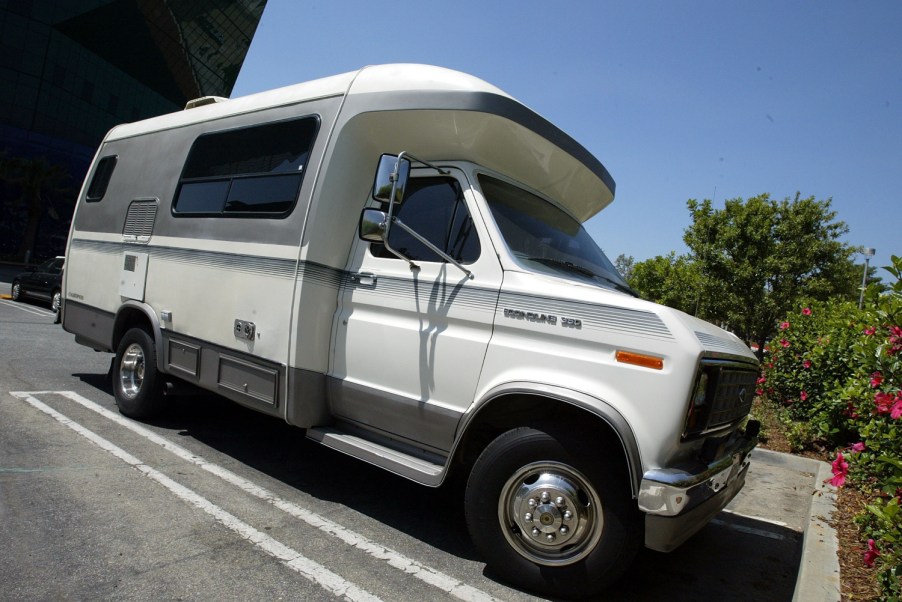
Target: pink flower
x,y
884,402
895,412
806,311
806,364
850,410
784,325
858,447
871,555
759,392
804,396
869,331
840,470
876,379
784,342
761,380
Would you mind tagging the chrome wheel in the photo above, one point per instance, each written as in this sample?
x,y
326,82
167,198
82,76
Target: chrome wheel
x,y
131,371
550,514
56,301
17,291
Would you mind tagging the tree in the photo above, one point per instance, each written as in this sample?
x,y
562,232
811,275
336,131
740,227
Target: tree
x,y
669,280
759,258
38,181
625,265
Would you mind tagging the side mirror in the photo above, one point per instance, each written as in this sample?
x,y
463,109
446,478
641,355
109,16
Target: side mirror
x,y
372,225
391,174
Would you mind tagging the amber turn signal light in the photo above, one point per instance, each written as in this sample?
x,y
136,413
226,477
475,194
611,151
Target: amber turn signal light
x,y
639,359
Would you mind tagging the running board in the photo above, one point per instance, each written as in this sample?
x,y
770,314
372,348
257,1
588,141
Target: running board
x,y
411,467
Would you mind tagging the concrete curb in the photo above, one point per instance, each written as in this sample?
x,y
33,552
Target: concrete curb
x,y
818,579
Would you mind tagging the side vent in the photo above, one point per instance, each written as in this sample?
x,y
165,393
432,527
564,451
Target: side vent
x,y
139,220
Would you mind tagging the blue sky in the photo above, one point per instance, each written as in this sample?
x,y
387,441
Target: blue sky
x,y
678,99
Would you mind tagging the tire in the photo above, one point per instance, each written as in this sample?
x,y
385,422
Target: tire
x,y
137,384
16,291
56,300
551,515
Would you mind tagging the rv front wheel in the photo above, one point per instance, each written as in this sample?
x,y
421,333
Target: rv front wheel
x,y
551,513
137,385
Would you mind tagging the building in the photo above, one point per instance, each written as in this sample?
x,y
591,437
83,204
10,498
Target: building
x,y
72,69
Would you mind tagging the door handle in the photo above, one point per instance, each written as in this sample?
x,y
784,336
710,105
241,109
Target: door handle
x,y
364,279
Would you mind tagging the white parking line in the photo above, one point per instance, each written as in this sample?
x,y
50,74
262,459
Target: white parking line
x,y
291,558
27,308
748,530
394,559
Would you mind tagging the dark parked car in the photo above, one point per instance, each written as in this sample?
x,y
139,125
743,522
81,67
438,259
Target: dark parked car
x,y
41,282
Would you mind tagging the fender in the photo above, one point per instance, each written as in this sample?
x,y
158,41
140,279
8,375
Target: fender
x,y
123,322
598,407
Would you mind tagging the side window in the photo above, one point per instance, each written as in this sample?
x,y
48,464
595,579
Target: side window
x,y
251,172
435,209
101,179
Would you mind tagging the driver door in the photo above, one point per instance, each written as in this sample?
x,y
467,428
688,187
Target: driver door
x,y
410,342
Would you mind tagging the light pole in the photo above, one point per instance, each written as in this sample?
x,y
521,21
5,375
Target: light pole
x,y
868,253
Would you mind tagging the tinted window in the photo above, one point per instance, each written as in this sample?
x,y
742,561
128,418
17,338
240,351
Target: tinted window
x,y
435,209
254,171
101,179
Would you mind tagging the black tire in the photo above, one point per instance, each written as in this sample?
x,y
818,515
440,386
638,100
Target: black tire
x,y
16,292
137,384
552,515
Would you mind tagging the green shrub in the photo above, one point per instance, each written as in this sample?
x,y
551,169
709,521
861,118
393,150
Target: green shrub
x,y
836,373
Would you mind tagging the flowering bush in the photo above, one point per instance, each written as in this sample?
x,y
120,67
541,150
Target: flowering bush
x,y
836,372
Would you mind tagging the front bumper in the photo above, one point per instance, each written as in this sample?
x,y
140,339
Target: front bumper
x,y
679,502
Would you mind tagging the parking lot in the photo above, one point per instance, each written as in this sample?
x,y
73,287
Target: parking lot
x,y
216,501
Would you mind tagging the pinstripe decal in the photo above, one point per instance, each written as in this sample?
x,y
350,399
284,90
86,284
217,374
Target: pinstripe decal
x,y
468,297
593,315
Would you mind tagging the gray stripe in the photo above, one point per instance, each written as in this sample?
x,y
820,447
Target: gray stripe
x,y
435,294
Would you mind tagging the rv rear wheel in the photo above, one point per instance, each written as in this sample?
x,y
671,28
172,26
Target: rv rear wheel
x,y
552,514
137,385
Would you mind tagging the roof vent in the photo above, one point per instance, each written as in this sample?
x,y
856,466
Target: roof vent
x,y
204,100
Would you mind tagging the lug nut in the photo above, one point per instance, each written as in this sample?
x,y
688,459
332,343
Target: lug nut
x,y
559,501
568,515
532,503
527,517
545,497
550,537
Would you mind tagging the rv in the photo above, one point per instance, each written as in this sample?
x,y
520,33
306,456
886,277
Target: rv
x,y
394,260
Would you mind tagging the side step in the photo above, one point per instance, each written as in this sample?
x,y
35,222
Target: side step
x,y
415,468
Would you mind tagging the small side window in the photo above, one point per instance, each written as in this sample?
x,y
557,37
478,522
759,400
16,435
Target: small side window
x,y
101,178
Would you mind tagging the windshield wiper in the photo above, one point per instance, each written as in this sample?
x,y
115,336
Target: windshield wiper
x,y
565,264
623,288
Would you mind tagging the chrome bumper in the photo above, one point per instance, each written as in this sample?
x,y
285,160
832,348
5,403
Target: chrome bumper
x,y
679,502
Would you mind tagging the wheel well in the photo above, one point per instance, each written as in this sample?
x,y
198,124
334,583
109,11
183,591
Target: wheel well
x,y
127,319
544,413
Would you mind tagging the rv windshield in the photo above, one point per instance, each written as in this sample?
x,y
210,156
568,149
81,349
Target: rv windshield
x,y
545,238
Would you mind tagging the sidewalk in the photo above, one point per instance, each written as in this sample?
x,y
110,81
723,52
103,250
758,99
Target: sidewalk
x,y
791,491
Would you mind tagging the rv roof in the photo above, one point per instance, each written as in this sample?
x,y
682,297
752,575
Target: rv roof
x,y
552,161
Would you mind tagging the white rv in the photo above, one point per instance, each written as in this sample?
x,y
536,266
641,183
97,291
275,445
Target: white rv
x,y
394,260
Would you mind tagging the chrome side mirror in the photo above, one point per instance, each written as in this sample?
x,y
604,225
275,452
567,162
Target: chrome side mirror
x,y
391,176
372,226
